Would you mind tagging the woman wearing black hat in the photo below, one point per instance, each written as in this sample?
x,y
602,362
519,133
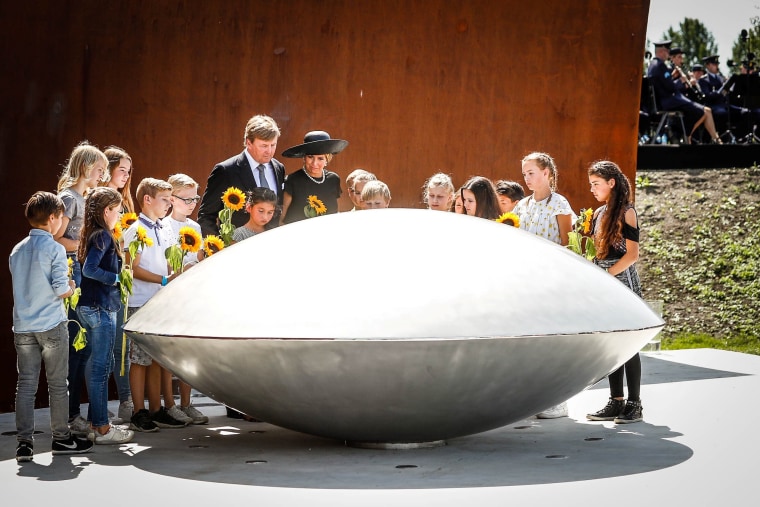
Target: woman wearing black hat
x,y
312,190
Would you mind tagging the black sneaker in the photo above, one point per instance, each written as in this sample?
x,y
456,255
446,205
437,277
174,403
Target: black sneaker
x,y
633,412
162,419
72,445
613,409
24,451
141,421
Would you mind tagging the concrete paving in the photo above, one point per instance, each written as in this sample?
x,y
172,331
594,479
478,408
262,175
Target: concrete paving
x,y
697,446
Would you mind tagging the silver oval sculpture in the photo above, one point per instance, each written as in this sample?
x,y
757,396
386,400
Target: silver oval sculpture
x,y
393,326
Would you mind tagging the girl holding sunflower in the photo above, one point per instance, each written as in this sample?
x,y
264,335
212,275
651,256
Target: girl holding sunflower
x,y
616,238
118,176
184,198
100,303
312,190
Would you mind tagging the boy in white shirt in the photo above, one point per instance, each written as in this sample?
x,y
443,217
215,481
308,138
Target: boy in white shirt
x,y
151,272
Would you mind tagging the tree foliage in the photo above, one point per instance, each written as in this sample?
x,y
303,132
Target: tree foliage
x,y
694,38
744,48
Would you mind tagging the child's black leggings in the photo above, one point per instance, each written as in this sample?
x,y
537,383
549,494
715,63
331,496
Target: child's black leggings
x,y
632,371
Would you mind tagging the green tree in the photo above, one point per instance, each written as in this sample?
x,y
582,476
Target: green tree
x,y
694,38
747,49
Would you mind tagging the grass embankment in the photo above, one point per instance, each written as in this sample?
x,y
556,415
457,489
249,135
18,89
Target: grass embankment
x,y
700,254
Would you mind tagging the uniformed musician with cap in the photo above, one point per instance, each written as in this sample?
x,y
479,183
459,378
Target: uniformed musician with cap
x,y
671,99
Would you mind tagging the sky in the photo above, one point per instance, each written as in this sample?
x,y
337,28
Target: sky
x,y
723,18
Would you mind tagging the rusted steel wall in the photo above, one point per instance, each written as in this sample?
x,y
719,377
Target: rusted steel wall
x,y
466,87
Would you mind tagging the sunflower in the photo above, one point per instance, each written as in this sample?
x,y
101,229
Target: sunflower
x,y
317,205
234,199
212,244
587,214
117,231
509,218
189,239
70,264
128,219
142,237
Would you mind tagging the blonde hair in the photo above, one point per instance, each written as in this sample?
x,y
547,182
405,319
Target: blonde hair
x,y
375,188
438,180
365,177
180,181
352,176
81,161
544,161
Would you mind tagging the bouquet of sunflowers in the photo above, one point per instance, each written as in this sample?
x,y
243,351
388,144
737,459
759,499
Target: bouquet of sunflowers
x,y
579,240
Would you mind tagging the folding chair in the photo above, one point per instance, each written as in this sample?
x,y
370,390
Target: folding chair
x,y
663,118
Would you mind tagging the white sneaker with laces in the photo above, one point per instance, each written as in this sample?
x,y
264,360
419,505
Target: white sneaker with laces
x,y
554,412
179,415
115,435
194,414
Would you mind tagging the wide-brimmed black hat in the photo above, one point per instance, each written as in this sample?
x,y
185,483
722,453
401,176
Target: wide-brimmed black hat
x,y
316,142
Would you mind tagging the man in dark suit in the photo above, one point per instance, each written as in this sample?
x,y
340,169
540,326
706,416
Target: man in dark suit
x,y
255,167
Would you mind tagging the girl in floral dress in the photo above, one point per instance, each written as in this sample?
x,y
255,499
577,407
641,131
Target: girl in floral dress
x,y
547,214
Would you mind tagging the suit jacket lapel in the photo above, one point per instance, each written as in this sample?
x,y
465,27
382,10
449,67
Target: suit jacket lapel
x,y
245,173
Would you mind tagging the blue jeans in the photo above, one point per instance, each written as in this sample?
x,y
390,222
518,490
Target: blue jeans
x,y
101,331
77,360
122,381
32,349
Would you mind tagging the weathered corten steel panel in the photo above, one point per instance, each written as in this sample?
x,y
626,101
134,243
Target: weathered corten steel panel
x,y
466,87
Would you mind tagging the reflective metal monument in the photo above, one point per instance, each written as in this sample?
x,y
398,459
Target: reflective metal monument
x,y
393,326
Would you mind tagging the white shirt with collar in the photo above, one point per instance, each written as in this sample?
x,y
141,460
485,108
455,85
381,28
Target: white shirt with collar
x,y
268,172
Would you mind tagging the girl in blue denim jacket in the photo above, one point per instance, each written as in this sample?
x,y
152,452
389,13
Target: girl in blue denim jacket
x,y
99,304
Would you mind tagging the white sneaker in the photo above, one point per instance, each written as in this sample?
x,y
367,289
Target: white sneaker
x,y
194,414
115,435
125,411
80,426
554,412
179,415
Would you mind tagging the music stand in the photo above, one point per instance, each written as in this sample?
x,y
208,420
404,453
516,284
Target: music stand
x,y
745,89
